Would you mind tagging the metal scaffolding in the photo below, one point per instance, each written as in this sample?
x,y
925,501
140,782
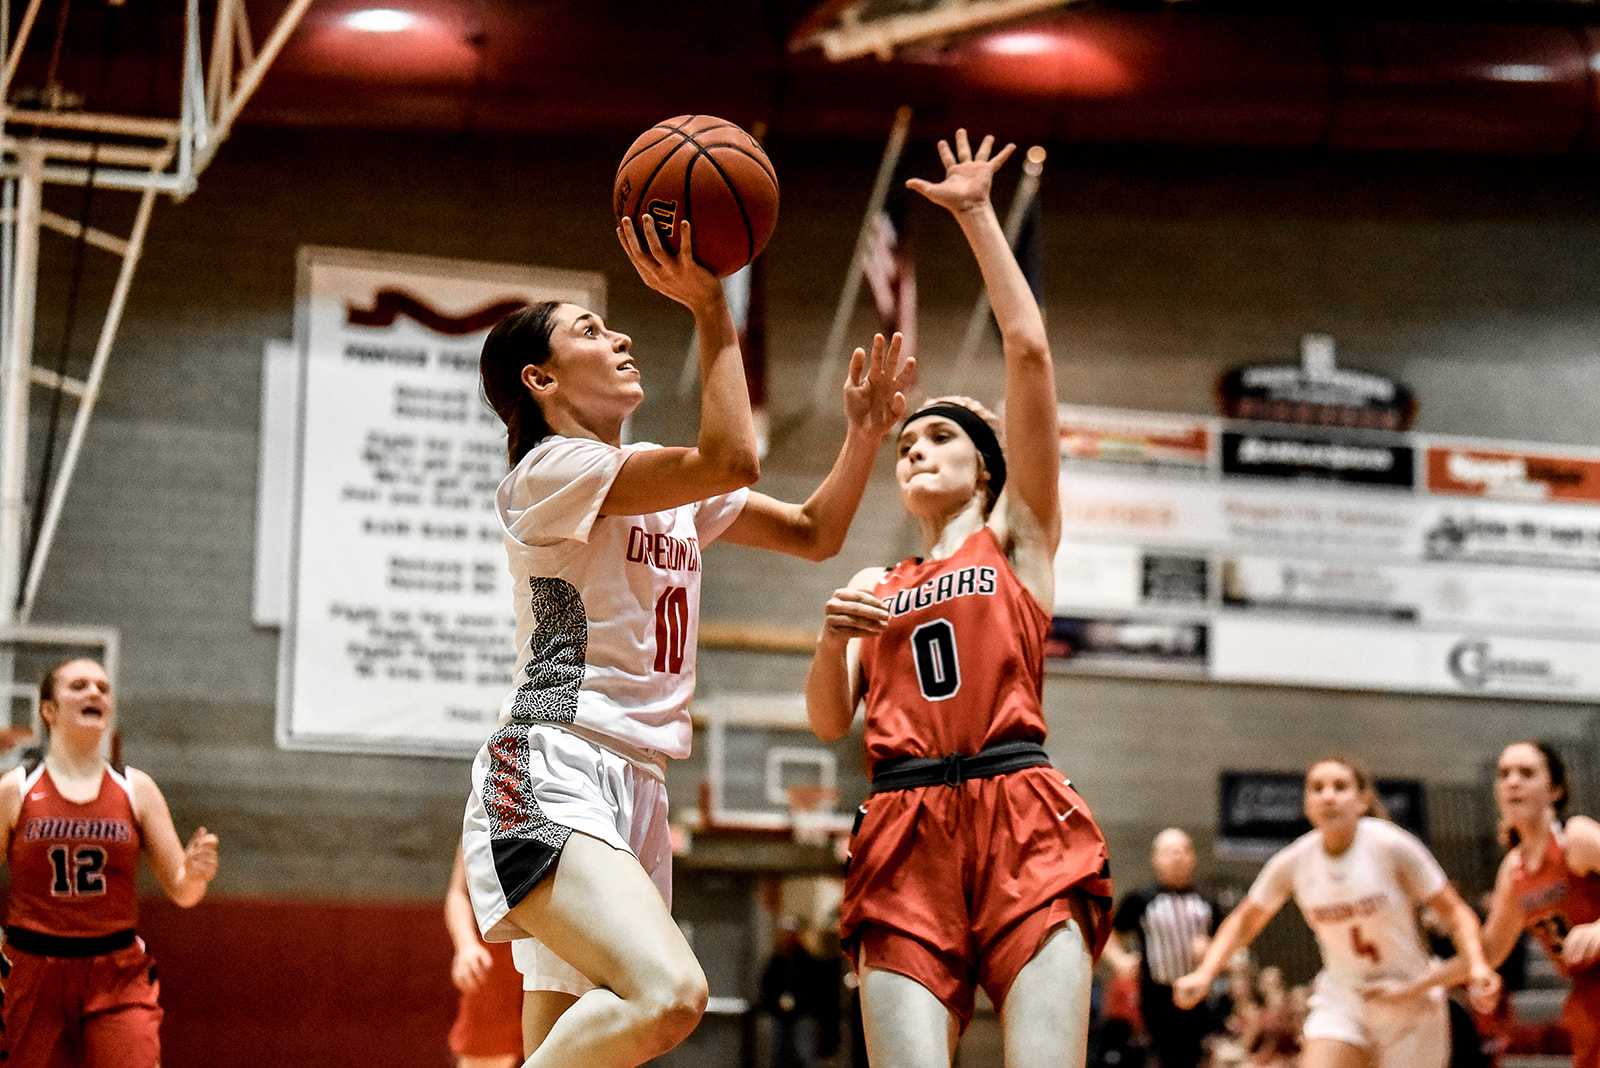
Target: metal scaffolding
x,y
138,155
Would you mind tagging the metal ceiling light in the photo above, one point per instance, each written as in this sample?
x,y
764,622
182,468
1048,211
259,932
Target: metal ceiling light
x,y
854,28
380,20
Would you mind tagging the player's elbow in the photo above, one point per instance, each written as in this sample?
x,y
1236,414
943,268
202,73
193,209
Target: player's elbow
x,y
735,468
185,898
1026,347
820,545
828,725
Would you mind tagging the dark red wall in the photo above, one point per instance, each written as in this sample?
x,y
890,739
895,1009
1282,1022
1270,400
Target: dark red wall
x,y
261,984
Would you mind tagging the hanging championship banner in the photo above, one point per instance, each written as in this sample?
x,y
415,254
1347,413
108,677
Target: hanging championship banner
x,y
399,636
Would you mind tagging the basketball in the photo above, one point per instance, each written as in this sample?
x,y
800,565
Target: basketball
x,y
706,170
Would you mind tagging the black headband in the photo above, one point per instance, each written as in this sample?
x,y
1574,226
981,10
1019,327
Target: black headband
x,y
981,433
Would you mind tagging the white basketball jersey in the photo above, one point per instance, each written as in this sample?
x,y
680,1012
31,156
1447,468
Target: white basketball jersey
x,y
607,606
1361,904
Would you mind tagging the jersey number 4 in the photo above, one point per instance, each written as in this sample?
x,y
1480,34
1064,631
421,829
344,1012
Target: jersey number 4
x,y
83,875
672,628
933,646
1362,947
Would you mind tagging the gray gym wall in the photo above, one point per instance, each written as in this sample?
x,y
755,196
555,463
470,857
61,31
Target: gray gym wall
x,y
1470,279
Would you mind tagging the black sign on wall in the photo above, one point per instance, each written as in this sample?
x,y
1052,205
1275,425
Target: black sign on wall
x,y
1316,392
1260,812
1274,454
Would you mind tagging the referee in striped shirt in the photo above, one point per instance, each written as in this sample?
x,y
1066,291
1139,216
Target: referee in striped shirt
x,y
1173,922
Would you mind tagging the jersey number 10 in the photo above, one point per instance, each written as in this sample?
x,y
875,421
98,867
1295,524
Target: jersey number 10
x,y
672,628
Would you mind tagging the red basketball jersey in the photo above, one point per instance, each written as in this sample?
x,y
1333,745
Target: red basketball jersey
x,y
72,865
1555,899
960,664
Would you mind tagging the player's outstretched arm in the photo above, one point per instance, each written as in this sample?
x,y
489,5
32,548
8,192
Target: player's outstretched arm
x,y
875,391
184,871
833,682
1237,931
1498,936
1033,446
1469,965
724,456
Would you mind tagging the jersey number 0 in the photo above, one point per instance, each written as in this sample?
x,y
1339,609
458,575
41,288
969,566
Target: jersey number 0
x,y
933,647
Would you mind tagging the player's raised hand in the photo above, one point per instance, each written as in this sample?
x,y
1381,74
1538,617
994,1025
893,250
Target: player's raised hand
x,y
967,174
200,855
853,613
876,386
676,276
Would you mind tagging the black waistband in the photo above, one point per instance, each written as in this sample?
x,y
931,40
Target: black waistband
x,y
49,945
904,773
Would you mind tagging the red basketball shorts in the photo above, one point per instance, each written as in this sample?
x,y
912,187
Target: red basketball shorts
x,y
93,1012
958,886
489,1019
1581,1017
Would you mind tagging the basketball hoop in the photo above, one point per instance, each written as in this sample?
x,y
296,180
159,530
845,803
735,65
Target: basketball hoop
x,y
810,812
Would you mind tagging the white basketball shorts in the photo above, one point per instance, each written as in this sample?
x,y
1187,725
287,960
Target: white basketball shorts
x,y
532,787
1413,1034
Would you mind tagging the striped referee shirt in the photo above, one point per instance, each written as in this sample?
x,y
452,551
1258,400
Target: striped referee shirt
x,y
1169,922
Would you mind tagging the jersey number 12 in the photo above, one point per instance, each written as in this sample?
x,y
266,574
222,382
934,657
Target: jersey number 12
x,y
81,876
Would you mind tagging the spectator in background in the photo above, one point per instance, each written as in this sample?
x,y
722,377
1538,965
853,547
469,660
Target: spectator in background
x,y
800,991
1276,1037
1173,923
487,1032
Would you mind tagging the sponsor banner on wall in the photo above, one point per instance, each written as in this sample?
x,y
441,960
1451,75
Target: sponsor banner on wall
x,y
1480,597
1271,453
1477,472
1096,575
1397,658
1169,645
1524,667
1266,517
1260,812
1317,587
1153,439
400,636
1475,597
1521,535
1353,656
1321,556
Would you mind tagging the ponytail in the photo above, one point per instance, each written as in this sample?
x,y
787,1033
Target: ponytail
x,y
526,426
517,341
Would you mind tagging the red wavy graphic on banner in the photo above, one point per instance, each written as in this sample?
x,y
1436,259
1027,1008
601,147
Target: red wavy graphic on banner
x,y
389,304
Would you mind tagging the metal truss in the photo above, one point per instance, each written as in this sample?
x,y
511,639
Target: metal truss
x,y
139,155
850,29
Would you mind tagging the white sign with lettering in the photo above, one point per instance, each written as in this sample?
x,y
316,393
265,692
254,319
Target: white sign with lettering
x,y
400,636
